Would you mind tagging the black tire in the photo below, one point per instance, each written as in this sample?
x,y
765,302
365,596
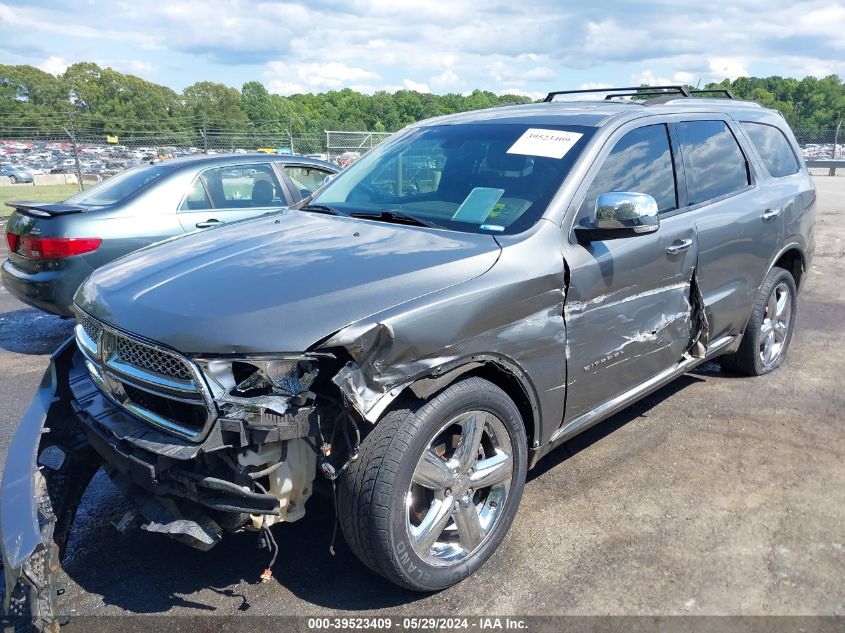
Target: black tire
x,y
13,180
747,359
373,491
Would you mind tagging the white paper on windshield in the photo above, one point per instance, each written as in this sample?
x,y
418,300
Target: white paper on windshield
x,y
548,143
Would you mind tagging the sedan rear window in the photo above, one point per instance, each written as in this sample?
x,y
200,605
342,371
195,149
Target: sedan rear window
x,y
119,187
482,178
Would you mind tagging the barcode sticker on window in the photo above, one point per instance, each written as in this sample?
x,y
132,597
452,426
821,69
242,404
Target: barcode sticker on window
x,y
547,143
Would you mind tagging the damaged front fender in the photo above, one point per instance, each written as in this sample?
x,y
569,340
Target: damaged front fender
x,y
48,467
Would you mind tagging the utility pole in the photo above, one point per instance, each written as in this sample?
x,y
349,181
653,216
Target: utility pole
x,y
71,132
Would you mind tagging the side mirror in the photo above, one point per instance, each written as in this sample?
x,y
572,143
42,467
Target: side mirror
x,y
620,214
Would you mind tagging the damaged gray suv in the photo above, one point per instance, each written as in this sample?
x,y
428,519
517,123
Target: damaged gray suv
x,y
415,336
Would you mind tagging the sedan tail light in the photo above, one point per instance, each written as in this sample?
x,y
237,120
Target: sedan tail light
x,y
37,248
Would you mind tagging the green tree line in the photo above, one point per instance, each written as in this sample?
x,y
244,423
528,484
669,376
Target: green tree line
x,y
103,101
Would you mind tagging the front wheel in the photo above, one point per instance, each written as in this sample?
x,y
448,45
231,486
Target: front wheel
x,y
13,180
769,331
436,487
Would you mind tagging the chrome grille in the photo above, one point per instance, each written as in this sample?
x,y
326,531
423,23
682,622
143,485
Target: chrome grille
x,y
149,358
91,327
158,385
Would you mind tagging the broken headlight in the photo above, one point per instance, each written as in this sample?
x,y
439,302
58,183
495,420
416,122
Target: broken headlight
x,y
253,384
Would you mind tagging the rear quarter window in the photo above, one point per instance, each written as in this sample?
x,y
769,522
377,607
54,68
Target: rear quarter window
x,y
774,149
714,163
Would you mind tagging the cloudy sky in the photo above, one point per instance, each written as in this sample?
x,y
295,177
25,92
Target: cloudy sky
x,y
519,46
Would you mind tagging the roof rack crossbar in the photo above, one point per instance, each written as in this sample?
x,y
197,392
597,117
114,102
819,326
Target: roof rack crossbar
x,y
728,94
633,90
641,93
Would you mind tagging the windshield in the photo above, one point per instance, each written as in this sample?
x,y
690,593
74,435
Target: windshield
x,y
483,178
119,186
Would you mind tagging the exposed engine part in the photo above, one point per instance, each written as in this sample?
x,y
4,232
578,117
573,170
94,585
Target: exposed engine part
x,y
290,468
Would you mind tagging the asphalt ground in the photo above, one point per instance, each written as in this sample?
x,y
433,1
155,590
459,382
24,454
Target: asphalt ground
x,y
716,495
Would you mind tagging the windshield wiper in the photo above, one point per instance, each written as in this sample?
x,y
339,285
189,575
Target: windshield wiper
x,y
322,208
397,217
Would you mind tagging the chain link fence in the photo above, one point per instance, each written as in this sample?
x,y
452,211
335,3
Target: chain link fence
x,y
344,147
824,144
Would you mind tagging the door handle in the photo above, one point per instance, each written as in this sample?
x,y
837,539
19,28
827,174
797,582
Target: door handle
x,y
208,223
770,214
678,246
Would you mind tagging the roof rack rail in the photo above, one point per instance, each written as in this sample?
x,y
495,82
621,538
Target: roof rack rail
x,y
633,91
728,94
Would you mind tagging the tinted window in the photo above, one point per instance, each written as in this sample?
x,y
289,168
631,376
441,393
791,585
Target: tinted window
x,y
478,177
306,179
640,162
714,163
120,186
773,148
241,186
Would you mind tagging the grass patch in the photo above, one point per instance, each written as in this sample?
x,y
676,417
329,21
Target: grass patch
x,y
31,193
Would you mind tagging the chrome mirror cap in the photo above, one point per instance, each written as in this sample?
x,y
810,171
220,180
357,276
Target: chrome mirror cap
x,y
635,212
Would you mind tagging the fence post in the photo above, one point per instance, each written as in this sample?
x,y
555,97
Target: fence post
x,y
832,171
204,135
72,134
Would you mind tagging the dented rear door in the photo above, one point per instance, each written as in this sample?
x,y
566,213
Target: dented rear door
x,y
629,306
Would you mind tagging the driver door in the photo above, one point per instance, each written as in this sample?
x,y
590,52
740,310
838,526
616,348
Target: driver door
x,y
628,305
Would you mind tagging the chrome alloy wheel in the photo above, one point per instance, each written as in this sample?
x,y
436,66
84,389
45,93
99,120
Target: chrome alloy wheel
x,y
459,488
776,324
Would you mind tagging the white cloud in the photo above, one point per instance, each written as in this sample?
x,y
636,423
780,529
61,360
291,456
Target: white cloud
x,y
648,78
284,78
592,85
445,79
521,93
131,67
727,68
54,65
415,86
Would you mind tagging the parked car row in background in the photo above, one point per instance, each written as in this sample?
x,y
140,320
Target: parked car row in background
x,y
25,159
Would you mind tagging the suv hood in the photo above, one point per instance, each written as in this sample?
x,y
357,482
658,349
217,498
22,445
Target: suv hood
x,y
279,283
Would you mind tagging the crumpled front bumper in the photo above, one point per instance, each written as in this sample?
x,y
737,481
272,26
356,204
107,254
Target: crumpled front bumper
x,y
38,501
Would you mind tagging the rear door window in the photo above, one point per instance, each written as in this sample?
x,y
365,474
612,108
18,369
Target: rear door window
x,y
252,185
640,162
714,163
773,148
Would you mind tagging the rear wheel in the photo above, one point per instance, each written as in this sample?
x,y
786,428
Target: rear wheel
x,y
436,487
766,339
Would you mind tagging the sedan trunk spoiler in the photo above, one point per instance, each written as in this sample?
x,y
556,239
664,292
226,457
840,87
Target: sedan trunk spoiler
x,y
45,210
